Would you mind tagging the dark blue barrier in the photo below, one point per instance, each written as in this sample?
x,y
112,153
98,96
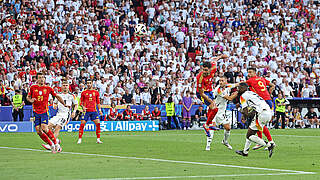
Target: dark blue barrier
x,y
16,127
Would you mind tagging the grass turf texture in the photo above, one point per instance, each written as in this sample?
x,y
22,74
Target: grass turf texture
x,y
296,150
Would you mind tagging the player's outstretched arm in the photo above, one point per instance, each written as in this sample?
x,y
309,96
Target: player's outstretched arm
x,y
231,97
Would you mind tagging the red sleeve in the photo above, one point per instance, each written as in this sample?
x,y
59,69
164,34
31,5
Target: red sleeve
x,y
214,68
98,98
249,81
52,92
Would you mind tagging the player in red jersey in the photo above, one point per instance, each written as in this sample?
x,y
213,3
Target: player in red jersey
x,y
204,91
259,85
89,101
38,96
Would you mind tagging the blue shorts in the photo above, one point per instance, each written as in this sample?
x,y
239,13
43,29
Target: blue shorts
x,y
269,102
90,115
209,94
40,118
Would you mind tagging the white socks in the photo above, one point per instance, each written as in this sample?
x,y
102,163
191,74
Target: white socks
x,y
258,140
209,139
226,136
247,146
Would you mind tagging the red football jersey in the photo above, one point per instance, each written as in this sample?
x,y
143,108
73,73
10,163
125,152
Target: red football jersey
x,y
90,99
41,94
259,86
205,82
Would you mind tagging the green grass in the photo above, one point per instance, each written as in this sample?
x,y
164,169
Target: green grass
x,y
298,152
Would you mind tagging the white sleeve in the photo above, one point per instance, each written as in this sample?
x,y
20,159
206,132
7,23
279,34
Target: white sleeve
x,y
243,101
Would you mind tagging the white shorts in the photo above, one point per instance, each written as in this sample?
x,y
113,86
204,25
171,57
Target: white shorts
x,y
263,118
60,119
221,117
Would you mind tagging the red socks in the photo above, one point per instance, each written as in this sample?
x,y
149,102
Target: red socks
x,y
98,130
211,114
81,130
267,133
45,138
51,136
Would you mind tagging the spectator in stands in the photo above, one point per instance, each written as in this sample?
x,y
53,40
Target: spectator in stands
x,y
290,117
146,114
127,97
277,89
287,89
127,114
17,106
137,100
200,115
187,105
297,118
146,97
312,118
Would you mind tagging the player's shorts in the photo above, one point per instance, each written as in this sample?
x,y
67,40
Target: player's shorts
x,y
221,118
269,102
263,118
60,119
186,114
40,118
90,115
209,94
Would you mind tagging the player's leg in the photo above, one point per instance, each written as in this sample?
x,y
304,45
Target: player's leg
x,y
98,130
209,140
84,119
41,133
226,136
189,121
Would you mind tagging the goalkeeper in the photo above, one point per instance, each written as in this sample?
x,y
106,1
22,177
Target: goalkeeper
x,y
255,108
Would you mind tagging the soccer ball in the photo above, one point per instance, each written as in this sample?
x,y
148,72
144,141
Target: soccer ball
x,y
140,30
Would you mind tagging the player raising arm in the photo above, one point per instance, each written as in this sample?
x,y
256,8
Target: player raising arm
x,y
254,107
259,85
204,90
64,113
38,96
89,102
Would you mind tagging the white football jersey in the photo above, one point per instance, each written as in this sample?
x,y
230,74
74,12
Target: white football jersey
x,y
219,94
68,99
251,99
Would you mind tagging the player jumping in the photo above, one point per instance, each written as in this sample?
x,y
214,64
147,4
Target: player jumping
x,y
259,111
204,92
259,86
221,94
89,102
38,96
64,113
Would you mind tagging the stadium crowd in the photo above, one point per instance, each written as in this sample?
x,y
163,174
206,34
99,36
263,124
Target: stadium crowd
x,y
96,39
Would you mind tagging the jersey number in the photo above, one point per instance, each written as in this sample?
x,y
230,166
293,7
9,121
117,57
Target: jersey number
x,y
260,83
90,99
40,98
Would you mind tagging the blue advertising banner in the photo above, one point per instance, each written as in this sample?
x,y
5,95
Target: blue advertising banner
x,y
16,127
114,126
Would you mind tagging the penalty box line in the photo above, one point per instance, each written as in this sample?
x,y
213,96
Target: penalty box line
x,y
166,160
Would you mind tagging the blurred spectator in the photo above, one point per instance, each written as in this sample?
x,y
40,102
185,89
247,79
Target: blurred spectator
x,y
298,118
200,115
127,114
113,114
312,118
127,97
146,97
146,114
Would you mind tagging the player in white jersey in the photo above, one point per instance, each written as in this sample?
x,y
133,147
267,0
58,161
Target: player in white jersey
x,y
221,94
64,114
255,108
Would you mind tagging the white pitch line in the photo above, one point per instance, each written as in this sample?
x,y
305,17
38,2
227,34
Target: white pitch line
x,y
165,160
207,176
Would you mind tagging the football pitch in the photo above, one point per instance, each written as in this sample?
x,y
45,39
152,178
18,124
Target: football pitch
x,y
160,155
